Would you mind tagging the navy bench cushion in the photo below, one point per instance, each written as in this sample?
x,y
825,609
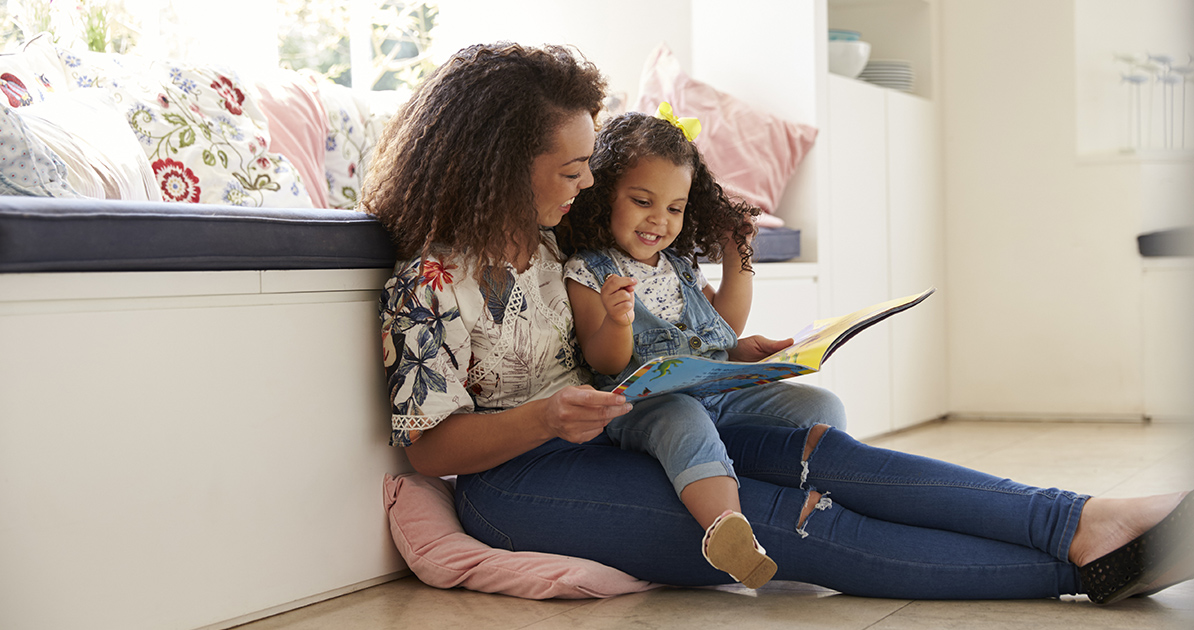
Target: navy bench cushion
x,y
46,234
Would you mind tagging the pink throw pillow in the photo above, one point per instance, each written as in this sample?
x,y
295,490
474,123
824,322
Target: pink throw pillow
x,y
429,536
751,153
298,129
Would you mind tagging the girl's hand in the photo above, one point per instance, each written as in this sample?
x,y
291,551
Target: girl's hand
x,y
579,414
757,347
617,296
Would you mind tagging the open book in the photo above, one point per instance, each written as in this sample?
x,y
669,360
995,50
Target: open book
x,y
698,376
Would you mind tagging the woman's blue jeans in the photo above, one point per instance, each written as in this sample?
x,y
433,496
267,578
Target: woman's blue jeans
x,y
890,524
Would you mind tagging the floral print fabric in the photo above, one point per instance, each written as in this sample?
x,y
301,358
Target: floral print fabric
x,y
28,76
453,344
206,139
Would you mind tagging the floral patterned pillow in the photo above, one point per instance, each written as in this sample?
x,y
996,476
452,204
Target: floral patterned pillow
x,y
378,107
205,136
27,76
347,145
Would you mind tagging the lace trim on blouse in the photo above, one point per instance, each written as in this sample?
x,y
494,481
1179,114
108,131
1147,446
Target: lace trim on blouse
x,y
414,423
485,366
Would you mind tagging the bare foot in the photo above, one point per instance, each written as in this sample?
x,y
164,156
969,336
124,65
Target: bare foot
x,y
1108,524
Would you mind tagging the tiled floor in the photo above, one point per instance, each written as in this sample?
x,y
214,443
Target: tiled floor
x,y
1099,459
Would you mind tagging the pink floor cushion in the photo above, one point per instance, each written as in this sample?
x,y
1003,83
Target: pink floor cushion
x,y
429,536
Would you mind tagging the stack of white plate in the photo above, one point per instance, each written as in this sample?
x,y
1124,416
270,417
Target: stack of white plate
x,y
890,73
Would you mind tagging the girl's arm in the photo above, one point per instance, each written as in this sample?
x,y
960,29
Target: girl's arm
x,y
732,298
466,443
603,322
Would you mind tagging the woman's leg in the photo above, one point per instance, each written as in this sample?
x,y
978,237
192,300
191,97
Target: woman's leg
x,y
909,489
618,508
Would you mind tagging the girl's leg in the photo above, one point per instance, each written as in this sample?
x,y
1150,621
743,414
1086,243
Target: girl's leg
x,y
677,431
909,489
616,507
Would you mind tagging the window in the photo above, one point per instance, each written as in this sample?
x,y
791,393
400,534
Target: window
x,y
369,44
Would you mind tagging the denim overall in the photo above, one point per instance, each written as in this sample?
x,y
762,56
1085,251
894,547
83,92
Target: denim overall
x,y
700,331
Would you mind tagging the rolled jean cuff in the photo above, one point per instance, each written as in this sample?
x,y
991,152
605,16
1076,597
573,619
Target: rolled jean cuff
x,y
1077,505
703,471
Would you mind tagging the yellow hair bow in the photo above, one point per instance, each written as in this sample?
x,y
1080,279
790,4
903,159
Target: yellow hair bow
x,y
690,126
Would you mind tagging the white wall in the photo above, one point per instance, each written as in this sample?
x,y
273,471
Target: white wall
x,y
1044,278
614,34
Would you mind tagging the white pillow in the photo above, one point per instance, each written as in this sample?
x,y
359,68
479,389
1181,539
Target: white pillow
x,y
88,132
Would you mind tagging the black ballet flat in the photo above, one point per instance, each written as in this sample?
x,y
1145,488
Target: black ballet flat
x,y
1165,551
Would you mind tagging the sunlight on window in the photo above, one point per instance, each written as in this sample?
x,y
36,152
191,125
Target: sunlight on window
x,y
367,44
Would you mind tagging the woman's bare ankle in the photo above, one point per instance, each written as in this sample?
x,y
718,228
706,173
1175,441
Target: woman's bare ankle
x,y
1108,524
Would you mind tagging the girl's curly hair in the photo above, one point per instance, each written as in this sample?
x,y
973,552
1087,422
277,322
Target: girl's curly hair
x,y
452,169
708,217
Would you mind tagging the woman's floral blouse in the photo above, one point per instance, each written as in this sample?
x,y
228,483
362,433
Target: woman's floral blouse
x,y
452,344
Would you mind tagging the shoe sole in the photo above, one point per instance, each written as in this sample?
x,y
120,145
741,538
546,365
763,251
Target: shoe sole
x,y
731,548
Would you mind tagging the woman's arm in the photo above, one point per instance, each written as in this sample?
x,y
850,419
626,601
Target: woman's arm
x,y
732,298
466,443
604,322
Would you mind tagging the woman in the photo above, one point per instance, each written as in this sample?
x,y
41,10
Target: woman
x,y
486,383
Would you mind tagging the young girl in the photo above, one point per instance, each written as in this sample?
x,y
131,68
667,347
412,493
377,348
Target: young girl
x,y
637,294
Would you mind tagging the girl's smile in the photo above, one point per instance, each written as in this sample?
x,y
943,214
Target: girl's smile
x,y
648,207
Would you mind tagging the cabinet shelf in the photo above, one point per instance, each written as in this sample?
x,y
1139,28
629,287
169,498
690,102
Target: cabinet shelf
x,y
895,29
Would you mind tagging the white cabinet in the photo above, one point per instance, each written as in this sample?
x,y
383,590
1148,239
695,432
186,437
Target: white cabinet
x,y
860,371
886,240
1168,299
785,301
916,242
867,198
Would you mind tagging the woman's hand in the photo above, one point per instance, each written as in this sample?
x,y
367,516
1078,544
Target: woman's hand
x,y
757,347
579,414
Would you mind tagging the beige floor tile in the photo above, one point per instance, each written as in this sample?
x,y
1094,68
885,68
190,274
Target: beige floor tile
x,y
408,604
961,442
780,605
1165,611
1102,459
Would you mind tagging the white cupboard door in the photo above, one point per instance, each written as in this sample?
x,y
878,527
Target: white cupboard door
x,y
860,371
916,226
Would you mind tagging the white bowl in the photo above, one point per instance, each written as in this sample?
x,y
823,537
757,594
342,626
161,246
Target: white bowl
x,y
848,58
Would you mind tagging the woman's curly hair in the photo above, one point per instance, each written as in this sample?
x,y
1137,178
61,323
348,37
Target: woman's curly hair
x,y
708,217
452,169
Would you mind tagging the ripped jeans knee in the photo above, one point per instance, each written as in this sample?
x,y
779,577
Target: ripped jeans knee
x,y
814,501
810,446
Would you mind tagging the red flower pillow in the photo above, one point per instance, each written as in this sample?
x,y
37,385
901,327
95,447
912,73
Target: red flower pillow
x,y
206,138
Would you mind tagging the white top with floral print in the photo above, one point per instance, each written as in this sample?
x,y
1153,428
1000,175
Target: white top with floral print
x,y
658,287
454,345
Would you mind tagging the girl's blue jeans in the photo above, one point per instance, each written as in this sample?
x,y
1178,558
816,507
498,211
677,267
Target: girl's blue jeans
x,y
890,524
682,432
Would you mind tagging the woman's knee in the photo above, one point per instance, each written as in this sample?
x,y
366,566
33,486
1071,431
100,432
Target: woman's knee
x,y
813,439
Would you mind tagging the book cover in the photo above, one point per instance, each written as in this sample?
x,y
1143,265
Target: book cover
x,y
811,347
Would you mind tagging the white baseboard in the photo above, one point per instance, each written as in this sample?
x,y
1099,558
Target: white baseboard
x,y
306,601
1046,417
